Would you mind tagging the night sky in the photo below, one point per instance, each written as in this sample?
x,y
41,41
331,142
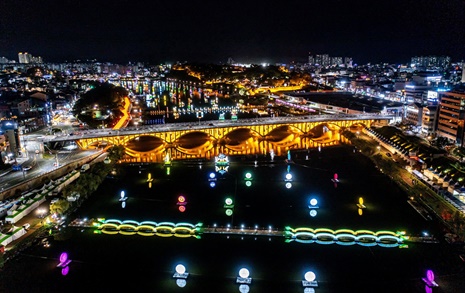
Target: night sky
x,y
154,31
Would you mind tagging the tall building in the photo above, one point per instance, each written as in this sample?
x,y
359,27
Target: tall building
x,y
451,118
311,60
322,60
414,114
430,61
4,60
9,129
463,72
24,57
428,121
336,61
37,59
415,93
348,62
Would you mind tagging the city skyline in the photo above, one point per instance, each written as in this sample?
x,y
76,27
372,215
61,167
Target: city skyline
x,y
213,32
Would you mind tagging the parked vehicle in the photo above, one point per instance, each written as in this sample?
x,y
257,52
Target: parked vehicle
x,y
27,168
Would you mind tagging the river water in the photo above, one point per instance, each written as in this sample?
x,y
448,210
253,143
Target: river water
x,y
116,263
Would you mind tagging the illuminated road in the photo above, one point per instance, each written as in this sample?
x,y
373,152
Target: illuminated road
x,y
212,124
40,166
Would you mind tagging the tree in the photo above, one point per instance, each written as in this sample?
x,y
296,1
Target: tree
x,y
116,153
59,207
108,97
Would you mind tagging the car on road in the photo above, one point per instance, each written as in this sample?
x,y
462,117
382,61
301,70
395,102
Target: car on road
x,y
27,168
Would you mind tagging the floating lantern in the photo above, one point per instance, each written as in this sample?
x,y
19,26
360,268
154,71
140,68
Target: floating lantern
x,y
309,280
64,260
243,277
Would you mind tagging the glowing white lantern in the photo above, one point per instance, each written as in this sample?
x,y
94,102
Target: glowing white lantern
x,y
180,269
310,276
244,273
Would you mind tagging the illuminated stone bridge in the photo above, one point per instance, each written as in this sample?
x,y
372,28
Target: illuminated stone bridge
x,y
242,137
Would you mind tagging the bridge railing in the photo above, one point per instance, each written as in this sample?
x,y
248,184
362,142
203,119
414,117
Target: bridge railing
x,y
216,123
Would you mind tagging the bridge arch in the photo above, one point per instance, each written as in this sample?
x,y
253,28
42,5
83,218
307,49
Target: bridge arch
x,y
256,137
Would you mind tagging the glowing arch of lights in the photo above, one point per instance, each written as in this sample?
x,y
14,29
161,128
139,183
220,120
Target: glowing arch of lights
x,y
381,238
343,237
149,228
299,129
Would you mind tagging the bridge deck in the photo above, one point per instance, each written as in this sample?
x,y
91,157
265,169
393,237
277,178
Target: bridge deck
x,y
220,230
240,231
214,124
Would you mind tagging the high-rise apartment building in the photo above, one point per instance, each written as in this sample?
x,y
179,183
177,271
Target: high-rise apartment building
x,y
37,59
336,61
311,60
323,60
348,62
451,118
431,61
463,72
26,58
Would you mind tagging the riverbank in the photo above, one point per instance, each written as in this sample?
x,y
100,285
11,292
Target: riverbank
x,y
47,227
419,193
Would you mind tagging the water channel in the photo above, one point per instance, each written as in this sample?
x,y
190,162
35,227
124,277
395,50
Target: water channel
x,y
268,200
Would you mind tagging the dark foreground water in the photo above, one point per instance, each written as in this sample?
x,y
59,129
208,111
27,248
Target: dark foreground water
x,y
117,263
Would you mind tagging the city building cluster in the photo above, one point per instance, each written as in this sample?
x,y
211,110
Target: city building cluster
x,y
427,95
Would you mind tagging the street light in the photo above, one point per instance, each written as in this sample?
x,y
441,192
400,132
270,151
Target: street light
x,y
199,115
41,212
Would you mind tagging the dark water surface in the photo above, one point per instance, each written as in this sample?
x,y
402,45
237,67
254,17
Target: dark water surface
x,y
116,263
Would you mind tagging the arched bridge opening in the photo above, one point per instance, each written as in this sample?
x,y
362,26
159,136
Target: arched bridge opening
x,y
241,139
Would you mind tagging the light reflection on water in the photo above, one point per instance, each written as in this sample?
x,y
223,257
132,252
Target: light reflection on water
x,y
214,260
